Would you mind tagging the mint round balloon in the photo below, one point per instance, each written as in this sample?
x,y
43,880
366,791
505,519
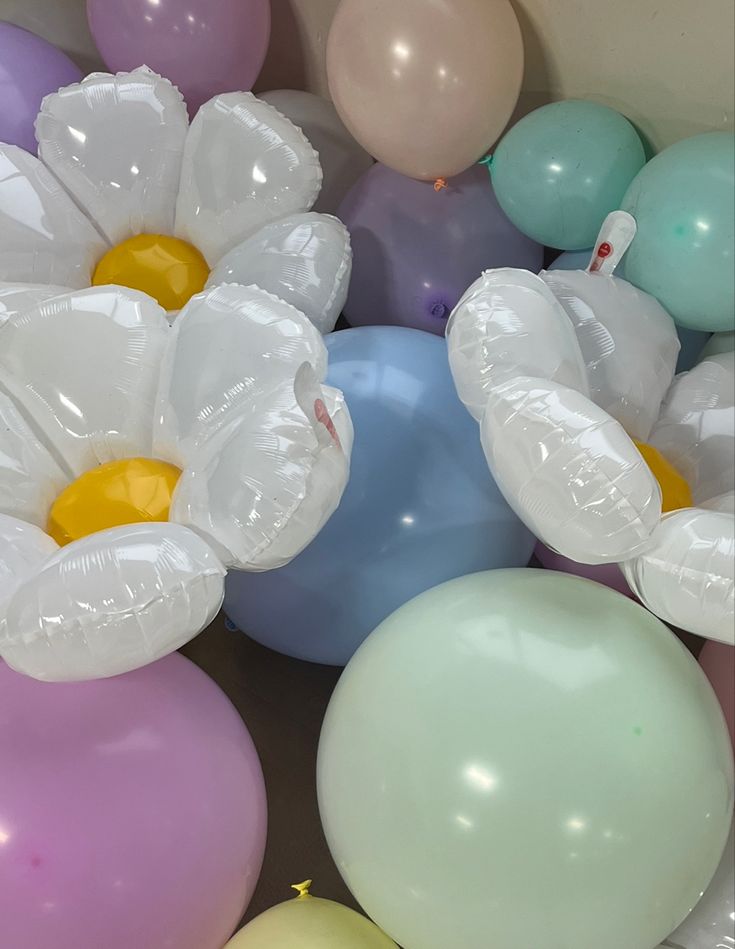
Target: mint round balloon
x,y
560,170
520,758
684,249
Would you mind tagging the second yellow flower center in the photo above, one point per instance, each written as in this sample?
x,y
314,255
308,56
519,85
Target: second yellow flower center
x,y
166,268
675,492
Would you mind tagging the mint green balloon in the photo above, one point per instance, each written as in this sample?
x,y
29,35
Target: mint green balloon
x,y
684,250
560,170
521,758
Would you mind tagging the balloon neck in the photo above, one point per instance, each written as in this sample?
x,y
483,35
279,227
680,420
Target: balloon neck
x,y
302,889
487,161
440,184
439,310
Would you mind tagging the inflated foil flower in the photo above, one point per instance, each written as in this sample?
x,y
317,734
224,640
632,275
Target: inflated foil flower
x,y
604,454
127,193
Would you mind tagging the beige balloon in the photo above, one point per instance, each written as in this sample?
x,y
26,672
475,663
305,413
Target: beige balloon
x,y
425,86
308,922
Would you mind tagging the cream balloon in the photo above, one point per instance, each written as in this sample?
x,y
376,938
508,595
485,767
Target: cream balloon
x,y
342,159
426,86
309,922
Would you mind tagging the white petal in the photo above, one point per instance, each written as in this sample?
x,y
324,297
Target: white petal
x,y
628,341
229,345
508,323
686,576
244,165
115,143
305,259
264,486
569,471
696,430
84,368
44,237
17,297
23,548
30,479
722,502
112,602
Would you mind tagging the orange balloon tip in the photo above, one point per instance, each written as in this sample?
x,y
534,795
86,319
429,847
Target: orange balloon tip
x,y
440,184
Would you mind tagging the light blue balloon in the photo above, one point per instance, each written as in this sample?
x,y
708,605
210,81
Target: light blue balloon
x,y
420,508
572,260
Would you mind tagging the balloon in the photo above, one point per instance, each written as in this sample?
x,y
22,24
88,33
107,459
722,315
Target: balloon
x,y
419,507
309,922
608,574
426,86
415,251
561,169
341,158
518,758
204,48
573,260
30,68
684,247
132,811
718,662
718,343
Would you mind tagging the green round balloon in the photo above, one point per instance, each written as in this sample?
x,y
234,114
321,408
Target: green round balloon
x,y
684,249
561,169
525,758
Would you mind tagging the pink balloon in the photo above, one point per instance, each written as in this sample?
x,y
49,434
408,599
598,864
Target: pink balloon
x,y
718,662
608,574
203,46
132,811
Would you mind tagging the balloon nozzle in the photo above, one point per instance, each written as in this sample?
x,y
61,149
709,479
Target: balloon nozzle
x,y
302,889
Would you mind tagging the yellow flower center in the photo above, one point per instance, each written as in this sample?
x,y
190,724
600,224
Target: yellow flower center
x,y
675,492
121,492
166,268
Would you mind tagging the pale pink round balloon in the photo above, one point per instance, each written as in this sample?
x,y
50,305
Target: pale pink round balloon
x,y
718,662
425,86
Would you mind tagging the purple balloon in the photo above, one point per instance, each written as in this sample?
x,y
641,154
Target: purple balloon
x,y
608,574
203,46
132,811
30,68
416,250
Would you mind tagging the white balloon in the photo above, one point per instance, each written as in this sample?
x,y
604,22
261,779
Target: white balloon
x,y
112,602
15,298
342,159
23,548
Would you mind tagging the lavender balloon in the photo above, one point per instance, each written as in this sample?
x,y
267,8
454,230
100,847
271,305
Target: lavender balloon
x,y
30,68
417,249
132,811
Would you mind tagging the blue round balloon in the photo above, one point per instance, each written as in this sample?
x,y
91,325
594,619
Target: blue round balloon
x,y
420,508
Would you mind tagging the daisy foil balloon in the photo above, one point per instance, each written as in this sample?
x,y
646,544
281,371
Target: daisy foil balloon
x,y
604,453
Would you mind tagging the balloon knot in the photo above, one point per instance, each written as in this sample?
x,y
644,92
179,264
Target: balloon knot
x,y
486,161
302,889
439,184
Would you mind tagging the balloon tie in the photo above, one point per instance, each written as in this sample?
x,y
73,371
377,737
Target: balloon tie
x,y
302,889
440,184
486,161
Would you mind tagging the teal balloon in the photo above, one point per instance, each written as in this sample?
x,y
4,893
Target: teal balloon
x,y
684,249
521,758
561,169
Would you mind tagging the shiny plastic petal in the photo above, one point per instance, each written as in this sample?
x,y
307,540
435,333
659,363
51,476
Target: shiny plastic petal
x,y
17,297
112,602
228,345
44,237
84,368
264,486
305,259
23,549
30,479
508,323
569,471
722,502
244,166
115,143
696,429
628,342
687,574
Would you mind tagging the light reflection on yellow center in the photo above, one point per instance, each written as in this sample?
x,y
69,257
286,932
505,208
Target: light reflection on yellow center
x,y
121,492
675,492
166,268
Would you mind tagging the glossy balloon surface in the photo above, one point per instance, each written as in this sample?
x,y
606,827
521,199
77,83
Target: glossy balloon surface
x,y
419,508
109,791
522,758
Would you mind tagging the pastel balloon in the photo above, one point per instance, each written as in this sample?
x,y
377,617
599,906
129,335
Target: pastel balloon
x,y
204,48
718,662
519,754
341,158
561,169
309,922
416,250
420,506
30,68
608,574
132,811
425,86
684,247
718,343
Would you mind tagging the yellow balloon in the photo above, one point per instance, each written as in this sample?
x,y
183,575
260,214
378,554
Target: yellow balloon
x,y
309,922
675,491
